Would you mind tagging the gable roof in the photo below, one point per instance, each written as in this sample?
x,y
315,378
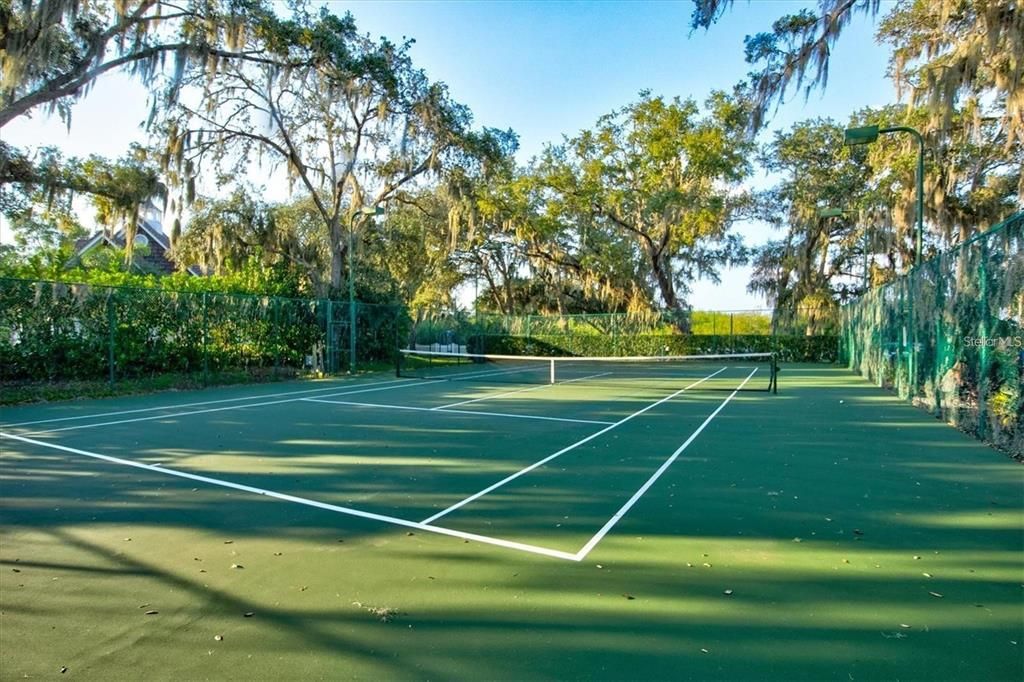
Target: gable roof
x,y
157,259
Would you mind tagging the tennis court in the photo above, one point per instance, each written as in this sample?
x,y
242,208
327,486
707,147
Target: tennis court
x,y
618,523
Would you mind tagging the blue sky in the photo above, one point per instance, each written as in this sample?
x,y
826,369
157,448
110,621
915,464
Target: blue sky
x,y
546,70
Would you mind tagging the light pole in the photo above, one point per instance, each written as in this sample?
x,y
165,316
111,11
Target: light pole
x,y
867,135
362,211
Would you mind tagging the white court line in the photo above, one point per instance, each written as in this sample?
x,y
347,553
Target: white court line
x,y
204,402
434,409
561,452
491,372
509,544
223,409
586,358
580,555
520,390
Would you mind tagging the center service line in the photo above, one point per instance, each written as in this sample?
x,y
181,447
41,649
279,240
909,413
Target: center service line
x,y
436,411
657,474
561,452
518,390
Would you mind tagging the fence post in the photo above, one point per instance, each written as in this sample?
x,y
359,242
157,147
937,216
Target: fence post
x,y
352,336
904,343
206,341
732,337
112,331
615,335
276,335
329,340
914,277
940,351
983,332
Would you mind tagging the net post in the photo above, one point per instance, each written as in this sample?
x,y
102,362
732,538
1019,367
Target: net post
x,y
775,374
552,370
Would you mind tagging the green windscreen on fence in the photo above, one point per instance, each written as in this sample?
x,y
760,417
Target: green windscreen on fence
x,y
949,336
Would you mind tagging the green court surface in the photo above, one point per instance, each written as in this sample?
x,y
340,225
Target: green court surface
x,y
382,528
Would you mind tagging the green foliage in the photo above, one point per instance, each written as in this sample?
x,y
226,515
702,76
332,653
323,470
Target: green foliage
x,y
821,348
38,191
251,277
53,332
409,257
55,49
945,54
652,186
714,323
815,261
351,120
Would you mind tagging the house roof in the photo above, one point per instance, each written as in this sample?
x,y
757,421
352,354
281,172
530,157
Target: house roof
x,y
159,244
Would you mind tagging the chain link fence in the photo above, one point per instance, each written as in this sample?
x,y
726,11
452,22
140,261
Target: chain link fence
x,y
58,331
949,336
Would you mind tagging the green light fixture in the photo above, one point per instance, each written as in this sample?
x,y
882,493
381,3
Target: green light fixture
x,y
867,135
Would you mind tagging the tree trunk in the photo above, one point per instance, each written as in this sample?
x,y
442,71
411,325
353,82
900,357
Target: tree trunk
x,y
339,249
417,321
667,288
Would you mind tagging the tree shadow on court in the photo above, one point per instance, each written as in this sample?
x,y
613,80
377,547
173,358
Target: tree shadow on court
x,y
857,540
194,617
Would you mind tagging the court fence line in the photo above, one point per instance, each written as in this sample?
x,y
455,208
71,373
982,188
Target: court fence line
x,y
55,333
949,335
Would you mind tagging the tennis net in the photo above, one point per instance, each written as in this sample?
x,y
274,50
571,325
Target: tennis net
x,y
723,372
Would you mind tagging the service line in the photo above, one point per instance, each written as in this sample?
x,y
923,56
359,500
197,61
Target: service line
x,y
519,390
435,410
564,450
580,555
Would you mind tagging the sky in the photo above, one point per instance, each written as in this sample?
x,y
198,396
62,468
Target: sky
x,y
547,70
